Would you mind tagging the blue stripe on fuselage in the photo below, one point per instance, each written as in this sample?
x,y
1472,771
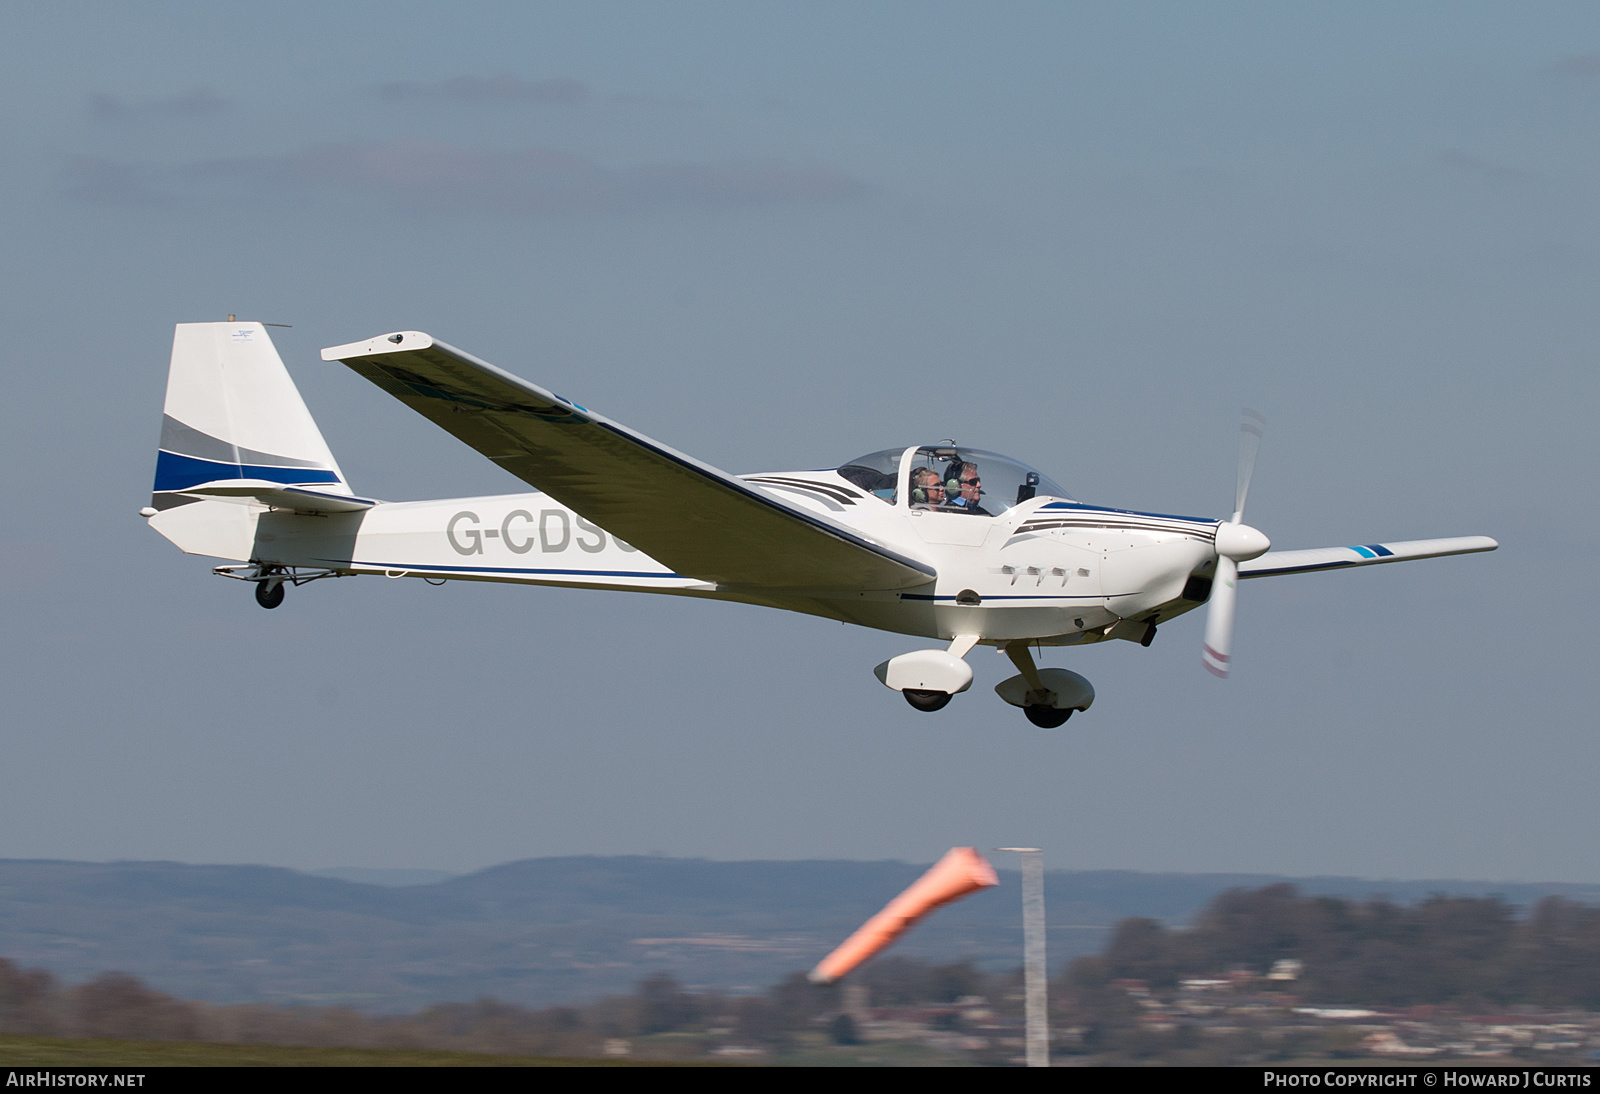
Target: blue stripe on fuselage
x,y
1081,508
430,568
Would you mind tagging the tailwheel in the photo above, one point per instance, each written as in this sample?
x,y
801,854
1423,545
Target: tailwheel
x,y
926,700
269,594
1047,717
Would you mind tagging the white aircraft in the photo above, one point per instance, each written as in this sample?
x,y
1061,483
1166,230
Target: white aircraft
x,y
939,541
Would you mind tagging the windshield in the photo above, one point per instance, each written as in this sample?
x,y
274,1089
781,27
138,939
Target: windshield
x,y
877,473
951,479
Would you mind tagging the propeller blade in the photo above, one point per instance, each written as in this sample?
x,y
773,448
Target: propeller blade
x,y
1251,427
1236,541
1219,618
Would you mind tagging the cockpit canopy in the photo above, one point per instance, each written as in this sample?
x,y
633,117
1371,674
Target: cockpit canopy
x,y
948,478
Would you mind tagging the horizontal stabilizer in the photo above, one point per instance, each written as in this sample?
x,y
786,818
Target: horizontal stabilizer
x,y
299,498
688,515
1371,554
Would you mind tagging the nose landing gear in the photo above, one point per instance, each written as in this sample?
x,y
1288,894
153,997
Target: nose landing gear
x,y
1047,717
1047,697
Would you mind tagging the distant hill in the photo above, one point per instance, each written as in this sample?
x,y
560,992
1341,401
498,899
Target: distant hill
x,y
393,878
555,930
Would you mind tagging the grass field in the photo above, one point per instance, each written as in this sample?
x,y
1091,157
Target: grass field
x,y
63,1052
59,1052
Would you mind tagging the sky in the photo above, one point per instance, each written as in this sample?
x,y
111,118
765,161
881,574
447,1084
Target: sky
x,y
777,236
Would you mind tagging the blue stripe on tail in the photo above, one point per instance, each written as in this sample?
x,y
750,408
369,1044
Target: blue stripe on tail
x,y
177,473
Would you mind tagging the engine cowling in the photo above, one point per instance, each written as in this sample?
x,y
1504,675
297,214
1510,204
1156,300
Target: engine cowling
x,y
1136,579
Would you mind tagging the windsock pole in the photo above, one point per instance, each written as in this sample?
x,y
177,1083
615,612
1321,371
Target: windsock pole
x,y
1035,999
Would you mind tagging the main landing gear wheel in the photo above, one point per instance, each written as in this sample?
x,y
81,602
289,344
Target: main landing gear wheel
x,y
269,594
1047,717
926,700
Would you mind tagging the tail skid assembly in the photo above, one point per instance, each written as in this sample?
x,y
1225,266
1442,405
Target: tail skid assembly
x,y
270,578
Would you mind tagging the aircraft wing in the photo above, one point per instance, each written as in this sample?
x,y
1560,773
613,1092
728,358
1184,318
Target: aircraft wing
x,y
1371,554
702,522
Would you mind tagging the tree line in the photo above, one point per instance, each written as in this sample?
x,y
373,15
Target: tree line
x,y
121,1007
1468,951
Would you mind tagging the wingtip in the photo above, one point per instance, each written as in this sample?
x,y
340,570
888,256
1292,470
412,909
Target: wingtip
x,y
383,343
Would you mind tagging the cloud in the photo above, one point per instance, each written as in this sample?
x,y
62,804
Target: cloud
x,y
439,177
1471,164
96,181
197,102
489,89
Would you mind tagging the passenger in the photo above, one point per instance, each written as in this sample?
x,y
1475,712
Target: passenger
x,y
965,488
927,492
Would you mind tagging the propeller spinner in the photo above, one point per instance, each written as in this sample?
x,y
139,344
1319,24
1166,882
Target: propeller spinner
x,y
1236,542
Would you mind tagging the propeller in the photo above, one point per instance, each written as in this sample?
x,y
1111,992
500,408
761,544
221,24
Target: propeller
x,y
1236,542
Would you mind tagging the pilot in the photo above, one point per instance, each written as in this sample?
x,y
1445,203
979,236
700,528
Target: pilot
x,y
926,489
964,488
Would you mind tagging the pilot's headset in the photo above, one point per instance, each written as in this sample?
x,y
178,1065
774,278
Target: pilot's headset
x,y
952,481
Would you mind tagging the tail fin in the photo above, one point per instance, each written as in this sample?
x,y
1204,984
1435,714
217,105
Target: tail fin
x,y
234,423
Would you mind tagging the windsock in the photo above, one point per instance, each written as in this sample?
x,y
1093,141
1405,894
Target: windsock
x,y
961,871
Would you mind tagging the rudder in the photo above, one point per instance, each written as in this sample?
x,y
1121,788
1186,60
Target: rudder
x,y
233,413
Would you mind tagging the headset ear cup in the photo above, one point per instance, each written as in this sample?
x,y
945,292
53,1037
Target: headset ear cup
x,y
952,487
